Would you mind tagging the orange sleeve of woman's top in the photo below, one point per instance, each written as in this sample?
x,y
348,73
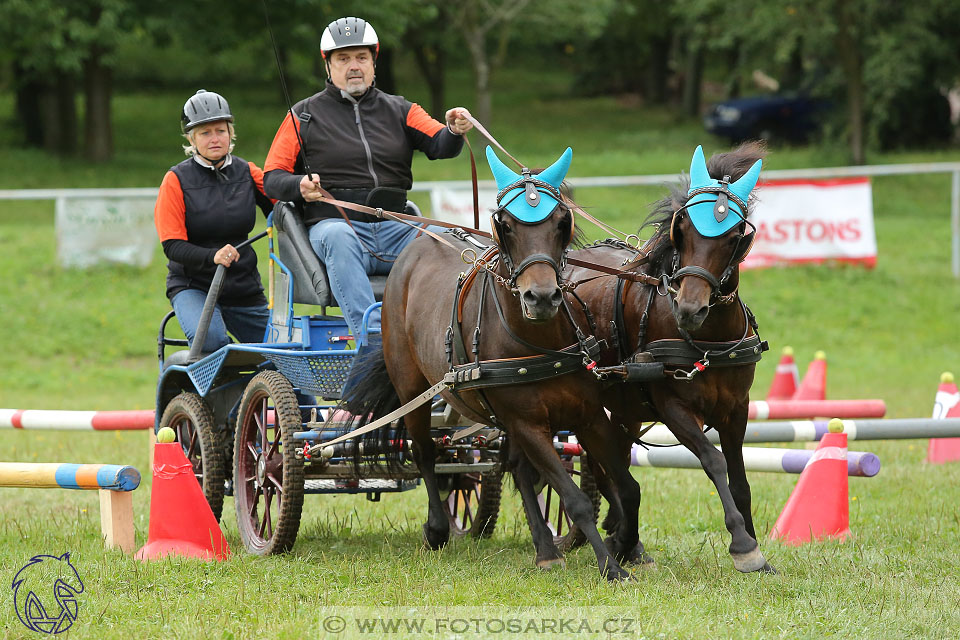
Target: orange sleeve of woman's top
x,y
257,174
169,214
420,120
285,148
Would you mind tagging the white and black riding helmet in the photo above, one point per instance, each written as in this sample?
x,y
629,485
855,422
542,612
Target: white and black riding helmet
x,y
203,107
348,32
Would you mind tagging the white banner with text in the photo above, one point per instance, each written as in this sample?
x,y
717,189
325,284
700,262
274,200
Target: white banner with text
x,y
814,221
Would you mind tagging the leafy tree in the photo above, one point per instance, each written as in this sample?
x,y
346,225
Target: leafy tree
x,y
58,45
874,56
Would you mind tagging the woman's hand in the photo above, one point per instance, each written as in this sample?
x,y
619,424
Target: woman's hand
x,y
310,188
226,255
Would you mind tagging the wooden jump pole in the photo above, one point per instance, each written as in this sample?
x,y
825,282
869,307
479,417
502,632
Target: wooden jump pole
x,y
114,482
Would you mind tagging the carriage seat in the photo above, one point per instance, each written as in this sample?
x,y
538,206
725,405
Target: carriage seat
x,y
292,244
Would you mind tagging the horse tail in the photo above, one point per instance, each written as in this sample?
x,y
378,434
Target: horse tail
x,y
368,395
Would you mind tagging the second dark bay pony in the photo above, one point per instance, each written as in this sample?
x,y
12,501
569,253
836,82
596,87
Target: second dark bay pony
x,y
693,322
511,322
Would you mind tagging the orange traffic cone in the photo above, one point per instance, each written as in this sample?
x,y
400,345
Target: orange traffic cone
x,y
786,378
946,405
819,505
814,385
181,522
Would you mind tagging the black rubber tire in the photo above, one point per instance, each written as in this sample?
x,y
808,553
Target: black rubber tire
x,y
472,502
192,421
273,473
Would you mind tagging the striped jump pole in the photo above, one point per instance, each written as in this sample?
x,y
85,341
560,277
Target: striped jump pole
x,y
808,409
813,430
114,483
76,420
859,463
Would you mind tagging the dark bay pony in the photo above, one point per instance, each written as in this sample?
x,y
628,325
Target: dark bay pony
x,y
694,322
511,323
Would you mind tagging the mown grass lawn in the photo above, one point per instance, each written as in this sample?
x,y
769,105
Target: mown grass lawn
x,y
87,339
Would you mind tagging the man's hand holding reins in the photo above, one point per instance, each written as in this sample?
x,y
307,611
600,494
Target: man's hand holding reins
x,y
457,121
310,188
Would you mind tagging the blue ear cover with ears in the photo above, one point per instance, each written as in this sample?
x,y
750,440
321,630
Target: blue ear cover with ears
x,y
701,210
516,202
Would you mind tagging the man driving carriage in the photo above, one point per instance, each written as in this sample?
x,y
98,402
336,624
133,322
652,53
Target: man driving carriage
x,y
358,145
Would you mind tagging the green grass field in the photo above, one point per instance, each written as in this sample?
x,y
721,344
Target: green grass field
x,y
87,340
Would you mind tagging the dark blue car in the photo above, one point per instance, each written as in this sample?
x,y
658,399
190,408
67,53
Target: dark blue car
x,y
791,117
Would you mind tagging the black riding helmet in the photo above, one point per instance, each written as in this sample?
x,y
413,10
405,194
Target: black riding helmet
x,y
348,32
203,107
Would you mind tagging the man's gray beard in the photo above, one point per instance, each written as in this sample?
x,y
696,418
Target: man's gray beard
x,y
357,92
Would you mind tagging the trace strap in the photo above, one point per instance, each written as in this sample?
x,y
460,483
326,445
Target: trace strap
x,y
424,397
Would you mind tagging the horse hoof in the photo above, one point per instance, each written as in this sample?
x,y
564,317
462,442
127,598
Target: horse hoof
x,y
620,576
768,569
434,543
750,561
546,564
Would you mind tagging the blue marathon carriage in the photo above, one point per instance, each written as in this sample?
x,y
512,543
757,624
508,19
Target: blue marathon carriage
x,y
247,415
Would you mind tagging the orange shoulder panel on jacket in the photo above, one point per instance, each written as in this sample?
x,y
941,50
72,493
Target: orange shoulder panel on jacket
x,y
285,148
420,120
169,214
257,174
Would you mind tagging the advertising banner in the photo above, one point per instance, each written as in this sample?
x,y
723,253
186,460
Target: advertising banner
x,y
814,221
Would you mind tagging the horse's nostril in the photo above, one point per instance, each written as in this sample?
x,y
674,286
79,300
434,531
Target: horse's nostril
x,y
529,297
557,297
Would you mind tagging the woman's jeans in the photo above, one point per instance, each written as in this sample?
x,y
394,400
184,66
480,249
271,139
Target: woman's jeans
x,y
247,324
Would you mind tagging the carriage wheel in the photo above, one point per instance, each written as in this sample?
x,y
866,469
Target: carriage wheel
x,y
192,421
267,476
472,502
566,535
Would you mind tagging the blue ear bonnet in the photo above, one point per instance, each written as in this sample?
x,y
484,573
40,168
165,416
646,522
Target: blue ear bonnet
x,y
711,201
529,198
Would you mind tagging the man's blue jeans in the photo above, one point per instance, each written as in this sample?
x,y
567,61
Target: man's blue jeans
x,y
247,324
349,264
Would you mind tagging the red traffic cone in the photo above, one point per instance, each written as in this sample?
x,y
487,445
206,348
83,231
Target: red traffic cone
x,y
181,522
945,405
819,506
786,378
814,385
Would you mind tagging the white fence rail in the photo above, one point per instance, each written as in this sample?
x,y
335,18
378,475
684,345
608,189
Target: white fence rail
x,y
605,181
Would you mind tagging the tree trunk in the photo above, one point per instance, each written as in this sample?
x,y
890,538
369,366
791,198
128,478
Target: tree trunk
x,y
657,70
98,86
386,78
431,62
483,108
848,51
29,94
66,107
692,80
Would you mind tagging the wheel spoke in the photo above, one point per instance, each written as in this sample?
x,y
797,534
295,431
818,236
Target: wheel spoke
x,y
265,523
262,422
193,444
276,483
253,450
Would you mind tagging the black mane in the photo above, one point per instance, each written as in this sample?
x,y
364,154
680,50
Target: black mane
x,y
731,163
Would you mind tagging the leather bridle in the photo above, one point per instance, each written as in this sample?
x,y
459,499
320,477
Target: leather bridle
x,y
744,242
